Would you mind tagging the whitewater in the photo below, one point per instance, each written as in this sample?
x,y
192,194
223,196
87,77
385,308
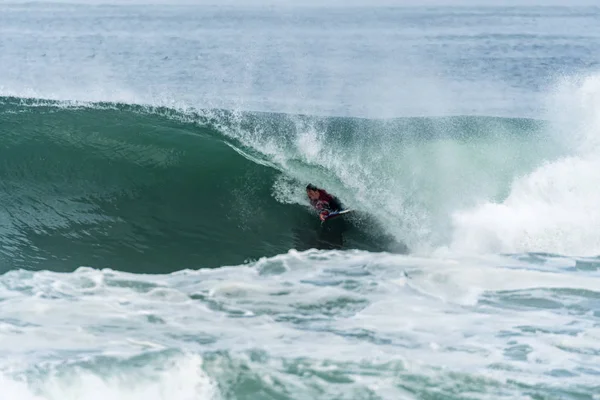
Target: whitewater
x,y
155,237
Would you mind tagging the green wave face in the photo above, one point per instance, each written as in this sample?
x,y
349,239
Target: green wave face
x,y
158,190
123,188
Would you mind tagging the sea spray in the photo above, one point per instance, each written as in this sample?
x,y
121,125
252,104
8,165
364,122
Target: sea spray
x,y
553,208
411,174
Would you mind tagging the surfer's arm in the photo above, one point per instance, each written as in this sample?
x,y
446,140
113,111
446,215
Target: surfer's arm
x,y
323,215
320,205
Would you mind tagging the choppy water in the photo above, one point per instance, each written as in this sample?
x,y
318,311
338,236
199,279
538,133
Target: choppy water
x,y
155,241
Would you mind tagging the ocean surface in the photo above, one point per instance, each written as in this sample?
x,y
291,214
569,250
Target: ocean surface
x,y
155,237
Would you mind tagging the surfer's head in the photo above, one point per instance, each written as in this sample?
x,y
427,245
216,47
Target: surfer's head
x,y
312,191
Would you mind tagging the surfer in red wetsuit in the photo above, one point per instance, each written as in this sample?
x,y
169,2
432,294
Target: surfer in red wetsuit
x,y
322,201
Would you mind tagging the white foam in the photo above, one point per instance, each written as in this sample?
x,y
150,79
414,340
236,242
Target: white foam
x,y
182,378
353,312
555,207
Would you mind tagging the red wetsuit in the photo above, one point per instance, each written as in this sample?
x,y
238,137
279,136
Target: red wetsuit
x,y
326,202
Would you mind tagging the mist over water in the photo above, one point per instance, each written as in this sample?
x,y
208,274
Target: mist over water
x,y
155,239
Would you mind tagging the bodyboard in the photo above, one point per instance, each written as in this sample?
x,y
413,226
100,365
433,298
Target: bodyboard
x,y
336,214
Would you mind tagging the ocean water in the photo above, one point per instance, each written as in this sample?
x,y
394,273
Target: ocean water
x,y
155,238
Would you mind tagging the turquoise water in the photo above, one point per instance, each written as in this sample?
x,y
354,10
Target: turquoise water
x,y
155,241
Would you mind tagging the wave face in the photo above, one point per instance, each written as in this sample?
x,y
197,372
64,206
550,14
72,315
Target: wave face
x,y
156,189
141,190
